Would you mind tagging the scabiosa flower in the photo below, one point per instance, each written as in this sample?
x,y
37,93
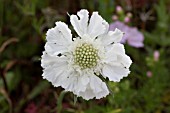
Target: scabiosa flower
x,y
149,74
126,19
119,9
76,63
156,55
132,36
114,17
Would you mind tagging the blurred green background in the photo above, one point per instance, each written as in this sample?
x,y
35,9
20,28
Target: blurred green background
x,y
23,25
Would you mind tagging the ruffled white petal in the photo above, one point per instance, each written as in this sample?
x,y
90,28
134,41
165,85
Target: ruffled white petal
x,y
115,51
58,39
57,72
95,88
118,48
97,25
115,73
122,58
116,63
75,83
111,37
86,86
48,61
54,49
80,24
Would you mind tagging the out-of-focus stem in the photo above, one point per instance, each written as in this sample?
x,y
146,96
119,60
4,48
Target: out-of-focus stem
x,y
6,43
4,80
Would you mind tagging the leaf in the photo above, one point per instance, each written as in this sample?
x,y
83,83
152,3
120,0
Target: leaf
x,y
116,111
38,89
5,94
59,101
35,92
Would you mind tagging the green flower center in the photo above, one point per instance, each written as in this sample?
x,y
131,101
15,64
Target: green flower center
x,y
86,56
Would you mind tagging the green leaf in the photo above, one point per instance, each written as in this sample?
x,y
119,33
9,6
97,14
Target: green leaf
x,y
59,101
38,89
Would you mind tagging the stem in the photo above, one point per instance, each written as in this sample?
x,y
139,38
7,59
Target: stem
x,y
6,43
110,89
75,100
4,80
60,100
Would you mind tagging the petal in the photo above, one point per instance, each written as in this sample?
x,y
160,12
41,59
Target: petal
x,y
116,63
118,48
116,36
87,94
58,39
114,73
97,25
94,81
136,44
125,60
95,88
75,84
69,83
64,30
116,56
103,93
57,72
124,39
135,34
117,24
111,37
135,38
61,76
48,61
110,56
80,25
84,79
60,33
122,58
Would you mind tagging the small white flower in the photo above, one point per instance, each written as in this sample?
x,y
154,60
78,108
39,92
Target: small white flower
x,y
75,63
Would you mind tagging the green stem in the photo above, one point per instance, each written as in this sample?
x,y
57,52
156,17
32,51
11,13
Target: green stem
x,y
59,101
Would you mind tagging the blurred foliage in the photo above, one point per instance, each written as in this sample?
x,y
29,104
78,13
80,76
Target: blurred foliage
x,y
23,24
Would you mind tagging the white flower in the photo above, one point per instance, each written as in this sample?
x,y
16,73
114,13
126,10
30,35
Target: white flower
x,y
75,63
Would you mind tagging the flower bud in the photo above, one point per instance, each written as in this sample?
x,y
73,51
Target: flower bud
x,y
156,55
126,19
119,9
114,17
129,14
149,74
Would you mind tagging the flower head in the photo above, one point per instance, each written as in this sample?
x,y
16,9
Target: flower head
x,y
126,19
156,55
31,108
149,74
119,9
114,17
132,36
75,63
